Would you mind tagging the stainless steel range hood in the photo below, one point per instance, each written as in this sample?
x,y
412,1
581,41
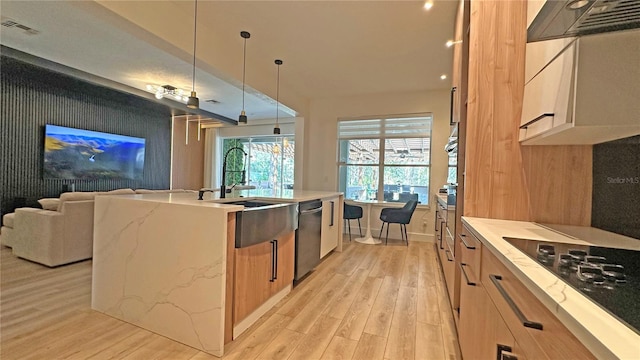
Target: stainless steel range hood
x,y
566,18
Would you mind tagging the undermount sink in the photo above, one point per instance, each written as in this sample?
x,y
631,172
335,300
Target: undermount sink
x,y
249,203
260,221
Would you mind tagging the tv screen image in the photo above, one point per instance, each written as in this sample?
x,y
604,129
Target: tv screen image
x,y
90,155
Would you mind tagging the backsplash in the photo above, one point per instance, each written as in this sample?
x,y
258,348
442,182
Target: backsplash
x,y
616,186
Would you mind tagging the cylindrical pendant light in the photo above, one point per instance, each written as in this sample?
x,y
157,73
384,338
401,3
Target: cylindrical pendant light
x,y
245,35
276,129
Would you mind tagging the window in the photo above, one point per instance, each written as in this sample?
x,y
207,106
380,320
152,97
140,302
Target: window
x,y
385,159
270,163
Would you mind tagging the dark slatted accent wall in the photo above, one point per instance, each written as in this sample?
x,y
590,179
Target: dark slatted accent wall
x,y
32,97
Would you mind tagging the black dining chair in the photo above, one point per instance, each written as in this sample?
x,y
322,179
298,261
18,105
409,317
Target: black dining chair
x,y
352,212
400,216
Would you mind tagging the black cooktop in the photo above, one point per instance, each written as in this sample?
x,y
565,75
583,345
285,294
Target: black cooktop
x,y
610,277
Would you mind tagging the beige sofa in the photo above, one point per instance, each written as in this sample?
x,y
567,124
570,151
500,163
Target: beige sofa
x,y
61,236
61,232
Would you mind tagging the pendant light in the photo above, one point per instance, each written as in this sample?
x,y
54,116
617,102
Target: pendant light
x,y
245,35
276,129
193,102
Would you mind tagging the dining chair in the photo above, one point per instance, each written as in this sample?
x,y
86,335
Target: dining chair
x,y
352,212
400,216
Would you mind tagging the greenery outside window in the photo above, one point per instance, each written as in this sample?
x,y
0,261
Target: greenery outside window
x,y
387,158
269,162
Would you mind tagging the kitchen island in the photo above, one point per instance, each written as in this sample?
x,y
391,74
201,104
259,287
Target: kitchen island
x,y
603,334
166,263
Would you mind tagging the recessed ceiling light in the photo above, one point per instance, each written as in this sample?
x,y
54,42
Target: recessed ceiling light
x,y
428,5
443,77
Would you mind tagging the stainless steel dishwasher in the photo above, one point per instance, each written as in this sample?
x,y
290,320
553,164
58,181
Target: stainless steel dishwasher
x,y
308,237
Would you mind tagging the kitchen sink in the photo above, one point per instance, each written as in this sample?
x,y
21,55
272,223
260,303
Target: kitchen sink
x,y
261,221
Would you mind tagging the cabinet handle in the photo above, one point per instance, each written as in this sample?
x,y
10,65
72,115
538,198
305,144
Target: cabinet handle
x,y
275,255
441,238
466,278
273,260
453,91
447,252
462,237
527,323
501,350
331,214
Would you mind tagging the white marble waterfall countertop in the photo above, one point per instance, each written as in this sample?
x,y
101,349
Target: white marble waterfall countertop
x,y
159,262
288,195
604,335
212,199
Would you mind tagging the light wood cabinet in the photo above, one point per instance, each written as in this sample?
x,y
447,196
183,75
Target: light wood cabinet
x,y
498,312
261,271
330,225
537,330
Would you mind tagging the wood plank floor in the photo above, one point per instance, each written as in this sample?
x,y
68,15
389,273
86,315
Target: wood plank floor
x,y
368,302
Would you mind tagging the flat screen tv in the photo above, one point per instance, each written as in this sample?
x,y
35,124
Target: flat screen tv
x,y
90,155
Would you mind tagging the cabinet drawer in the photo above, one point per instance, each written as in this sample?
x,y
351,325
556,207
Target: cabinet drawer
x,y
536,329
470,250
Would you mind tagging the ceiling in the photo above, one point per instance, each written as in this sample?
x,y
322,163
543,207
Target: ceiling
x,y
329,48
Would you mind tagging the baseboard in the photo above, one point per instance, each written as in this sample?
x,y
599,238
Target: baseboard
x,y
413,236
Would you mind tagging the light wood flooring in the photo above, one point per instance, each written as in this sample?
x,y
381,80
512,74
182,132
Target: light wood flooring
x,y
368,302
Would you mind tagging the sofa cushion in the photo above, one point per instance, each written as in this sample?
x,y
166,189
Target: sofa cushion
x,y
8,220
49,203
76,196
119,192
144,191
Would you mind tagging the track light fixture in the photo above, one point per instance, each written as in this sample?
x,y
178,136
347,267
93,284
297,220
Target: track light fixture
x,y
193,102
245,35
276,129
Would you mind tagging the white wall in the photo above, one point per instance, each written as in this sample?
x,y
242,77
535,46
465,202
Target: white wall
x,y
320,148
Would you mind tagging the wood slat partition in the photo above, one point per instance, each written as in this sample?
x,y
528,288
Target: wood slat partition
x,y
33,96
503,179
187,159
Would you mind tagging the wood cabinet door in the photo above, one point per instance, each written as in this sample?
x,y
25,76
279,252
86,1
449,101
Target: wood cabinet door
x,y
253,272
285,262
482,332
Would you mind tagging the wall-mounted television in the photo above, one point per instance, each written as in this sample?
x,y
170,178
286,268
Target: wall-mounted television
x,y
90,155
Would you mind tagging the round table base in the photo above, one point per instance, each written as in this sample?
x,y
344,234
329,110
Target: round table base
x,y
369,240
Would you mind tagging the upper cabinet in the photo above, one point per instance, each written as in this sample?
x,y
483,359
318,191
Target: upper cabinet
x,y
582,90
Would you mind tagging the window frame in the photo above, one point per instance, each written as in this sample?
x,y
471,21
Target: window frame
x,y
382,138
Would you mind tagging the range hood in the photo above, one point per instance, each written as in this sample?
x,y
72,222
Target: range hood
x,y
568,18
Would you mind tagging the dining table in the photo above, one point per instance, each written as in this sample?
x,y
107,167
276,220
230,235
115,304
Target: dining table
x,y
368,203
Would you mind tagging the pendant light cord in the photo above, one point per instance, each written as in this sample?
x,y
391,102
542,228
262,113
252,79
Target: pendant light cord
x,y
244,67
195,29
277,94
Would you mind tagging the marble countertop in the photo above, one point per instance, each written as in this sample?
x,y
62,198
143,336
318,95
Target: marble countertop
x,y
603,334
442,199
213,199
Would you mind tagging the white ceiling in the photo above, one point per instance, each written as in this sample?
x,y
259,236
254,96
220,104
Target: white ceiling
x,y
329,48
